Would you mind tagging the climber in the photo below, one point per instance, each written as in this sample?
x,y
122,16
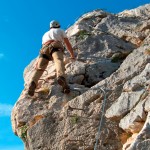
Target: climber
x,y
52,49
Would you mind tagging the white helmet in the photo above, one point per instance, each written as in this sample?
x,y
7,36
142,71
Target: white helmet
x,y
54,24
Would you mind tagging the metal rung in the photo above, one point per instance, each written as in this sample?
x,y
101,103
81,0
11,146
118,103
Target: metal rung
x,y
76,89
72,108
80,117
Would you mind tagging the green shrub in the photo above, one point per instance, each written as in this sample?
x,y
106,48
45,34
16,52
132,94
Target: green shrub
x,y
83,34
23,131
74,119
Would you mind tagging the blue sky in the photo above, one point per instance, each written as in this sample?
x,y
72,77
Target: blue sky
x,y
22,24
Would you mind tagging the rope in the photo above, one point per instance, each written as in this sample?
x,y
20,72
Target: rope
x,y
101,116
101,120
76,89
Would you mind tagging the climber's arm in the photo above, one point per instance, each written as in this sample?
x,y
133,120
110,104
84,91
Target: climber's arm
x,y
69,48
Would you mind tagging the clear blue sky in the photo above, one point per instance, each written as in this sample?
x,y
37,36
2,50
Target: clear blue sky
x,y
22,24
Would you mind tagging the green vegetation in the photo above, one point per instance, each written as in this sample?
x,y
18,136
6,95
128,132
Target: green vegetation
x,y
119,56
147,51
116,57
129,135
74,119
83,34
23,131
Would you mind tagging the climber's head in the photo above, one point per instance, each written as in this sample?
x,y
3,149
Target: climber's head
x,y
54,24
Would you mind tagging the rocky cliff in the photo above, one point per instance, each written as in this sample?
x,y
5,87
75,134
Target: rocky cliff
x,y
109,104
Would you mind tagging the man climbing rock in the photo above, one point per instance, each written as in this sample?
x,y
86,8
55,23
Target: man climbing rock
x,y
52,49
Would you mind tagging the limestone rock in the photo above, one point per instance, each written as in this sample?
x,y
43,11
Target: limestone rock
x,y
147,104
98,71
76,68
140,81
139,12
133,122
143,138
110,86
124,104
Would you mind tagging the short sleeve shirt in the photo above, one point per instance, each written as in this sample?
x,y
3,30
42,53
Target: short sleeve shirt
x,y
54,34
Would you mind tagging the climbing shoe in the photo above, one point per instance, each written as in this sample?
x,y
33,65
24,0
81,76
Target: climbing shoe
x,y
62,81
32,88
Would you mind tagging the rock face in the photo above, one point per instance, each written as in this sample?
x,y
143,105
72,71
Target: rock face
x,y
110,81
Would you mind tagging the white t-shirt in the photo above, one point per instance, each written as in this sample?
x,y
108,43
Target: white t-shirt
x,y
54,34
